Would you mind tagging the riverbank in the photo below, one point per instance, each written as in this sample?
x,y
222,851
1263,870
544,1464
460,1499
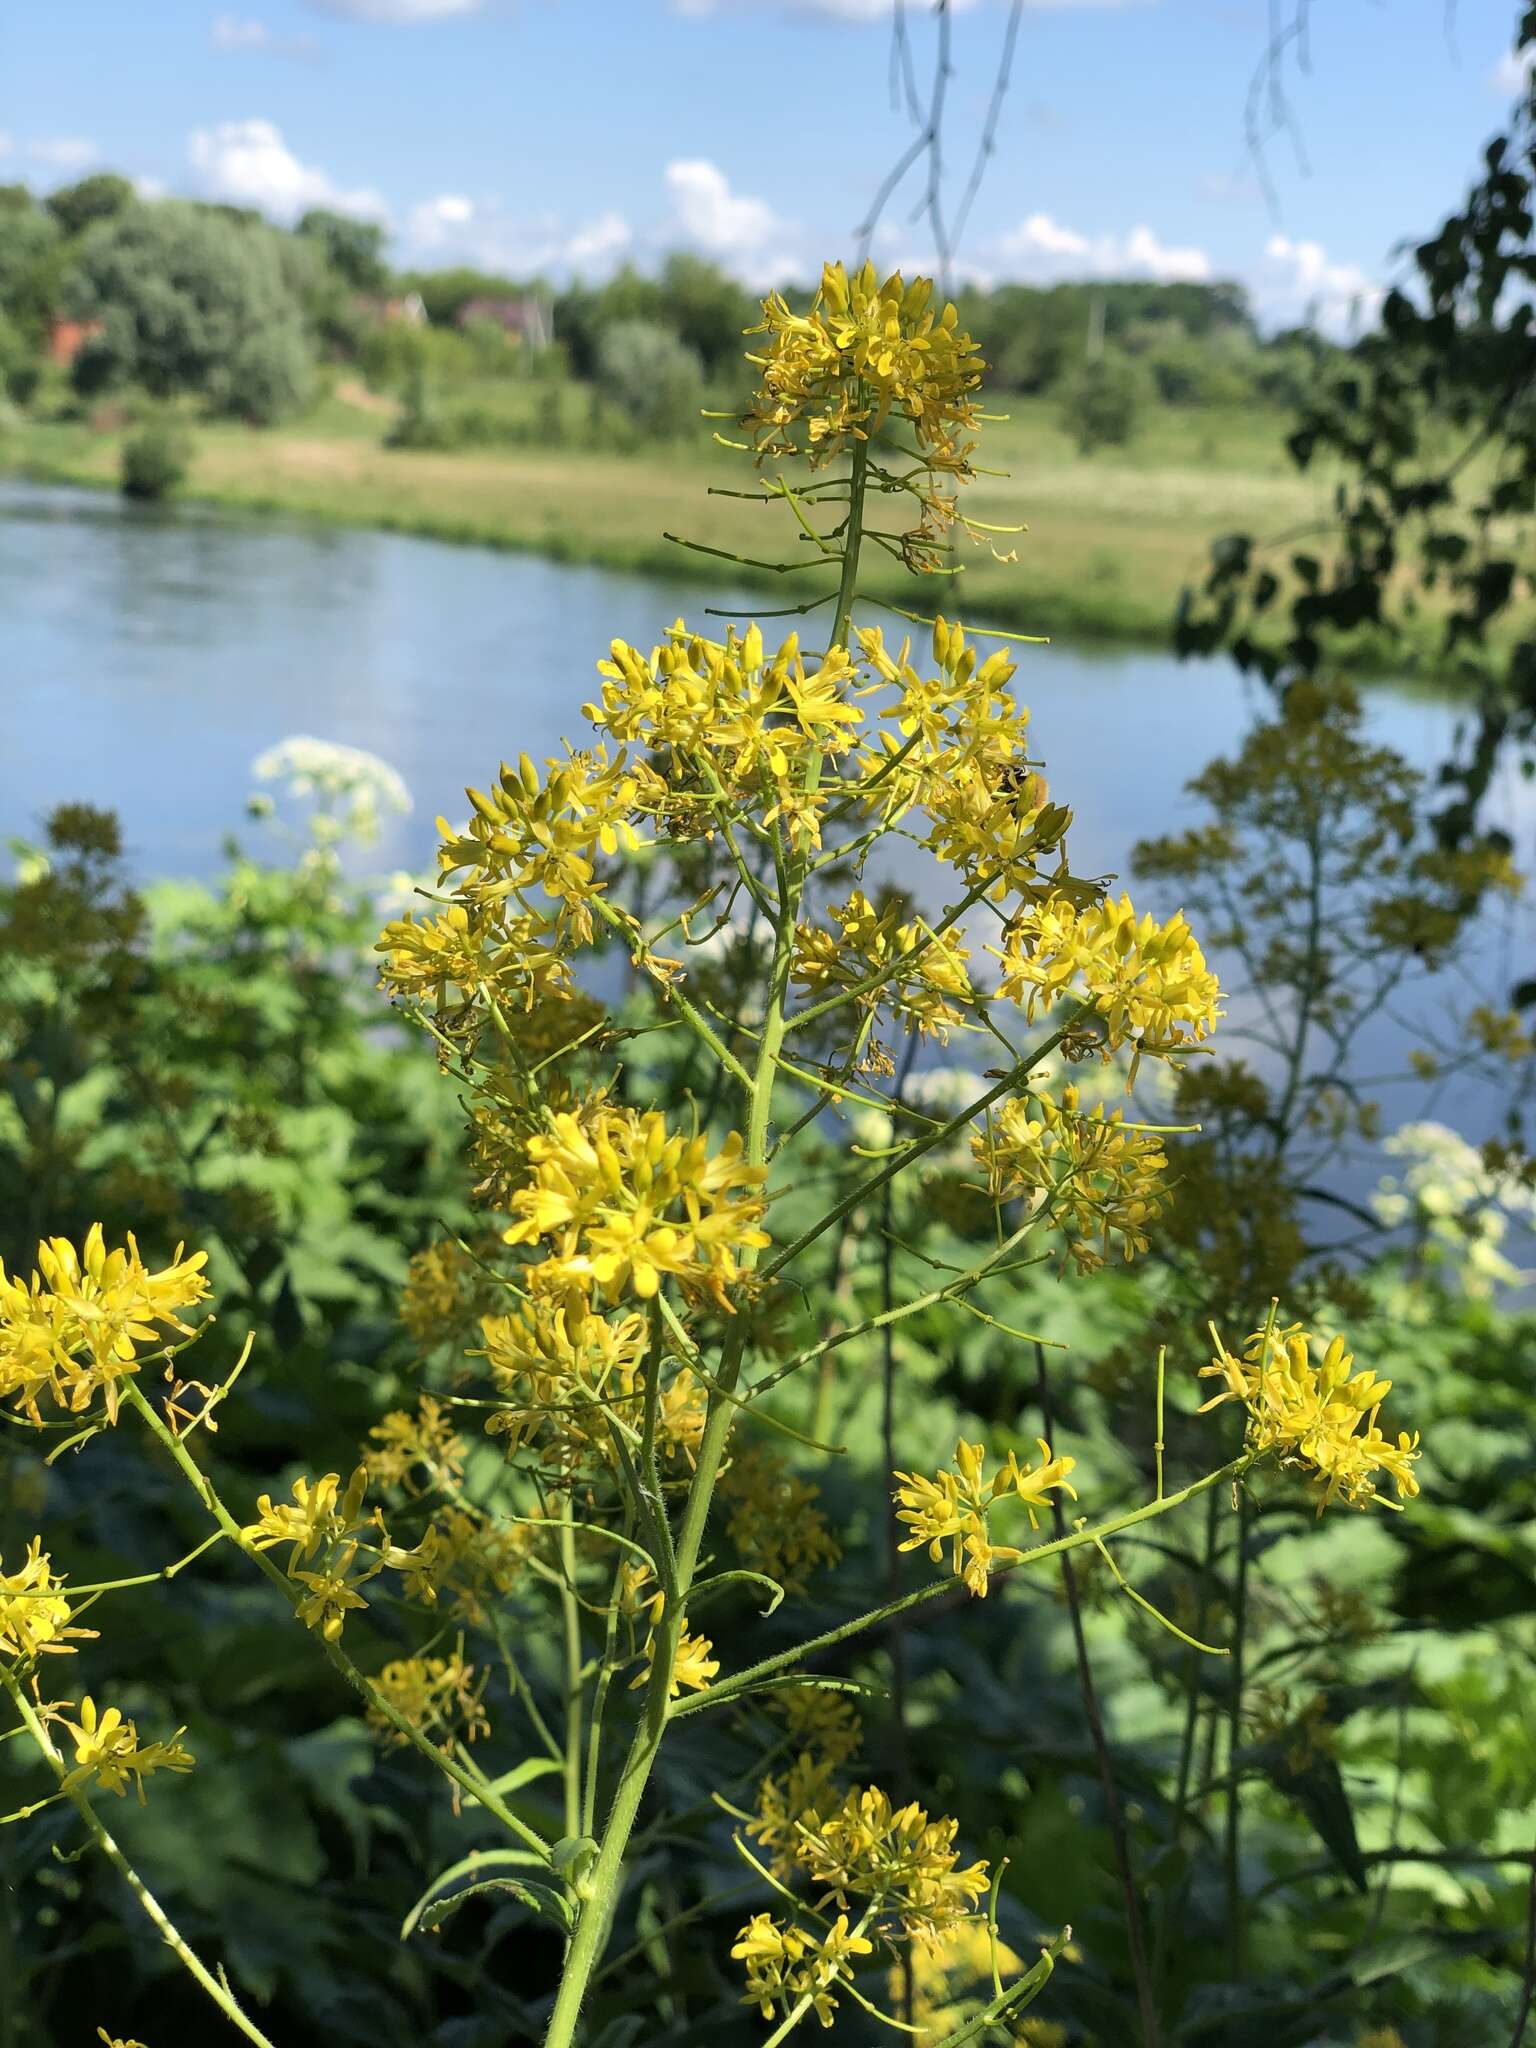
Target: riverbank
x,y
1112,538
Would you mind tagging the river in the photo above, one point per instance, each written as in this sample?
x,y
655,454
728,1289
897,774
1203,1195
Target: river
x,y
147,655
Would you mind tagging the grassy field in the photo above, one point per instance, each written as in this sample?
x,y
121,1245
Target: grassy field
x,y
1112,538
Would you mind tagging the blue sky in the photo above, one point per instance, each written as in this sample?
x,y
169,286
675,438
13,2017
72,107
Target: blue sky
x,y
570,135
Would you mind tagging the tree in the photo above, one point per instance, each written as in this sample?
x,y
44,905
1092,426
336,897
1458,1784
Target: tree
x,y
655,379
1426,551
101,196
353,248
1101,399
30,250
189,303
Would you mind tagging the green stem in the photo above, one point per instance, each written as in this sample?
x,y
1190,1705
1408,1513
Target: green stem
x,y
853,535
742,1681
571,1613
203,1487
604,1882
220,1993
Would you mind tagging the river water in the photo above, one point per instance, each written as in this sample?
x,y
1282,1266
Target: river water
x,y
147,655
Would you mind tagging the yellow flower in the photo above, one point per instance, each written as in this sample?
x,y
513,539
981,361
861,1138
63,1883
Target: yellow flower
x,y
821,1720
315,1517
1318,1417
465,1561
894,1859
787,1805
34,1610
107,1748
953,1508
333,1592
786,1963
865,350
467,951
81,1322
694,1666
926,985
1148,983
112,2040
1097,1177
439,1696
625,1204
774,1521
406,1449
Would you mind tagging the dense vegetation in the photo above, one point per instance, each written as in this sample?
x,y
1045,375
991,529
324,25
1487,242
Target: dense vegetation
x,y
213,306
1272,1773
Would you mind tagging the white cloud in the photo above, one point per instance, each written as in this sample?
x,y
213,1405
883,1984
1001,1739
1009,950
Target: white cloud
x,y
1045,249
453,227
743,233
64,152
398,10
595,245
1512,73
249,164
6,145
237,33
1297,281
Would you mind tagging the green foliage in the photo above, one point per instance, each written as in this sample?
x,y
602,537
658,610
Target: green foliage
x,y
655,380
190,303
353,248
155,459
1102,400
31,258
99,197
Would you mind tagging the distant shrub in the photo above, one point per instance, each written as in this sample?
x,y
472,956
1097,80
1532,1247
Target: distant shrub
x,y
154,461
20,367
654,380
1101,401
1196,373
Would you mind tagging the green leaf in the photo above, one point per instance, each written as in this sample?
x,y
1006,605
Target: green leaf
x,y
436,1905
525,1773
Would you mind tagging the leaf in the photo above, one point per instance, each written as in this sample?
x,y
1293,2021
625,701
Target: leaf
x,y
525,1773
1318,1790
435,1906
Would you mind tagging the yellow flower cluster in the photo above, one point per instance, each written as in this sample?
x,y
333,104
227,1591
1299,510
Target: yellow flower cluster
x,y
415,1452
321,1523
1317,1417
865,349
533,832
561,1369
959,752
624,1203
444,1293
439,1696
750,721
952,1508
34,1609
922,978
893,1859
788,1805
787,1964
83,1320
468,949
1148,982
774,1520
108,1750
821,1721
1097,1176
464,1561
